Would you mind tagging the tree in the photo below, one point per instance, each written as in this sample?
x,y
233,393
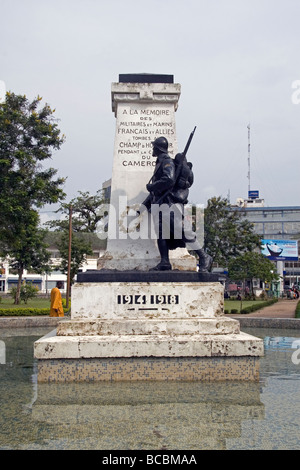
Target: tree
x,y
227,233
249,266
24,244
28,291
28,136
85,213
85,217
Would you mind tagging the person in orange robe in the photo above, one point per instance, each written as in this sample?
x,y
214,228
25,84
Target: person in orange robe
x,y
56,308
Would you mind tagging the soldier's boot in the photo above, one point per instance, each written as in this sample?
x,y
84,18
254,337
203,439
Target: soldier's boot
x,y
164,264
205,261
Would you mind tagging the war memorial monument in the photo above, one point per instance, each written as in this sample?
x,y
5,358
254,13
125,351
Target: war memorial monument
x,y
147,313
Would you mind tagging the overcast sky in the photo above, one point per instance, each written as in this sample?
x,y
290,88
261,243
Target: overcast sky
x,y
236,62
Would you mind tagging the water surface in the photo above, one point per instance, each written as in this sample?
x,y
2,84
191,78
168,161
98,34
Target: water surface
x,y
150,416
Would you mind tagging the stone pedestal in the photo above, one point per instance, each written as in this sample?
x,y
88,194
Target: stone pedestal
x,y
168,326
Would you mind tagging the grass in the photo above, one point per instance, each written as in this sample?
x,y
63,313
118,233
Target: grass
x,y
237,304
38,302
34,307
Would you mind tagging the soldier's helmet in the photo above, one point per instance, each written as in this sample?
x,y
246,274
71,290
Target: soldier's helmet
x,y
161,144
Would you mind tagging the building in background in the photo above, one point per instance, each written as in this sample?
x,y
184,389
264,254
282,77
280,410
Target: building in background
x,y
106,188
276,223
45,282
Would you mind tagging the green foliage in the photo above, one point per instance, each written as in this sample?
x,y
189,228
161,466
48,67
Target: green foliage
x,y
24,245
254,307
85,213
23,312
85,217
227,233
28,136
263,295
251,265
28,291
64,304
37,306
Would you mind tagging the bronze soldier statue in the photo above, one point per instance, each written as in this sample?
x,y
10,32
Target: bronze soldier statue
x,y
169,187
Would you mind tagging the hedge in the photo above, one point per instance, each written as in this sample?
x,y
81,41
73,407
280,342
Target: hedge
x,y
29,311
258,306
23,312
254,307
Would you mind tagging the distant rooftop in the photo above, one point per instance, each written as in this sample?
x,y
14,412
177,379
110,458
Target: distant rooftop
x,y
271,208
145,78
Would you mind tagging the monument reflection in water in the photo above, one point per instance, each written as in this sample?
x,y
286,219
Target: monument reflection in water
x,y
129,323
131,415
148,415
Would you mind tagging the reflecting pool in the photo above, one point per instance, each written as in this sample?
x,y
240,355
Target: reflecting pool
x,y
150,416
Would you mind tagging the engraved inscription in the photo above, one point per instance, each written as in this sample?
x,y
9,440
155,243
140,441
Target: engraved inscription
x,y
150,300
136,128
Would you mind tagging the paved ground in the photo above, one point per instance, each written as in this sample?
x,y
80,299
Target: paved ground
x,y
281,309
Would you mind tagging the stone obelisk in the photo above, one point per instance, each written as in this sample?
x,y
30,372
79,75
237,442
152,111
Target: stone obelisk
x,y
144,106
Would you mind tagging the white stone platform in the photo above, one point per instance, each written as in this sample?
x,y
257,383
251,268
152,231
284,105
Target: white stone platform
x,y
96,346
113,322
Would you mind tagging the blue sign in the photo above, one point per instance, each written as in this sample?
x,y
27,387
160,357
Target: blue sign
x,y
280,250
253,194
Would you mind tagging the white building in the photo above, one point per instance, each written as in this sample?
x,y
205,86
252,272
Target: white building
x,y
45,282
275,223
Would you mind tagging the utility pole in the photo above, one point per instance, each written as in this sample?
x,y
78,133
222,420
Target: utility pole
x,y
249,186
69,258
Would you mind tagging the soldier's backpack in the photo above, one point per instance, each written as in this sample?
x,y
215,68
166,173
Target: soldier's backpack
x,y
183,180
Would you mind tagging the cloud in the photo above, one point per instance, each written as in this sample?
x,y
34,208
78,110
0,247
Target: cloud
x,y
236,62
